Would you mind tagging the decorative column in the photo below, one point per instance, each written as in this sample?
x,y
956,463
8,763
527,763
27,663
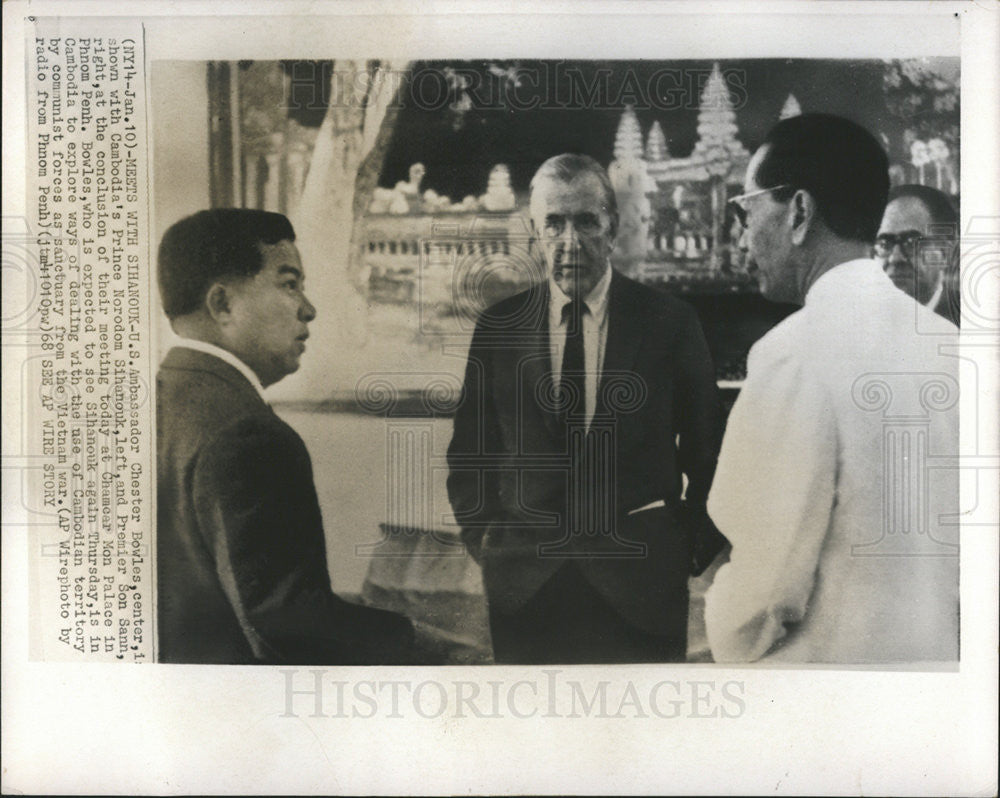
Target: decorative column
x,y
272,199
718,168
919,482
222,131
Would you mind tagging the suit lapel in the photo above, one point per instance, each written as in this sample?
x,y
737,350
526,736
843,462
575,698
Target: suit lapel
x,y
624,336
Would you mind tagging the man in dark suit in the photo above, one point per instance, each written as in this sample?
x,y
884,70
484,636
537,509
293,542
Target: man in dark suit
x,y
241,558
586,400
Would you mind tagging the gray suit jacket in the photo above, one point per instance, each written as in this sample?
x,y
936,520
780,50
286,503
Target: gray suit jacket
x,y
510,465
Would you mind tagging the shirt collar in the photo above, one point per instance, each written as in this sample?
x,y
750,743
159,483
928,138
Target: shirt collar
x,y
596,301
844,279
228,357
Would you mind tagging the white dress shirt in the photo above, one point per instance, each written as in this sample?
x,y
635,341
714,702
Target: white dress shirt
x,y
595,336
834,482
228,357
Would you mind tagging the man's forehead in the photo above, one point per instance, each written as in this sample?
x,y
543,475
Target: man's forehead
x,y
582,191
282,255
905,213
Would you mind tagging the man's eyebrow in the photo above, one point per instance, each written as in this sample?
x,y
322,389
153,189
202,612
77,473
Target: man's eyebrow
x,y
288,269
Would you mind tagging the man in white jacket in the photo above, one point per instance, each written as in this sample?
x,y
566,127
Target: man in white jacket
x,y
837,483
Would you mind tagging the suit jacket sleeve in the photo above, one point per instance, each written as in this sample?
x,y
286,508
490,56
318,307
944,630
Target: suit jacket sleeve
x,y
699,426
472,485
257,509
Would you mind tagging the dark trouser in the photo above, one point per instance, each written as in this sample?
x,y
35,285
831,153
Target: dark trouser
x,y
569,622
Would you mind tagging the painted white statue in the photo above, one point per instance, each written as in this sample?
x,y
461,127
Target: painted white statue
x,y
412,187
920,158
399,204
499,195
944,173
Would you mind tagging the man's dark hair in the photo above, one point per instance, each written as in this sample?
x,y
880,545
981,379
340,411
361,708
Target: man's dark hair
x,y
838,162
212,245
937,203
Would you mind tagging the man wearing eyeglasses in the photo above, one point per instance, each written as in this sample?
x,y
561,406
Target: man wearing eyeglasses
x,y
827,485
916,247
587,397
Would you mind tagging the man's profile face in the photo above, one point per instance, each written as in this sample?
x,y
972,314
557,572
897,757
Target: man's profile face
x,y
914,266
270,314
765,239
575,231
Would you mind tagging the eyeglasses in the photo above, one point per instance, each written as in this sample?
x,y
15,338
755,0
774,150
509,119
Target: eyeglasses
x,y
887,242
737,201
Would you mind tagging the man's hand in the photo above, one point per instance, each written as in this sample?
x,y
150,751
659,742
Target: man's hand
x,y
706,540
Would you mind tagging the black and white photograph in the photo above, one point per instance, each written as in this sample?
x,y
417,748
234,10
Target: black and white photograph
x,y
449,215
539,399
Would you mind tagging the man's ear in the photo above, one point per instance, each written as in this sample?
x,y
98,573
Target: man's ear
x,y
218,302
802,209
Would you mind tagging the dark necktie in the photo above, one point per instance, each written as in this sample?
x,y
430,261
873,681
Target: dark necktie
x,y
572,383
